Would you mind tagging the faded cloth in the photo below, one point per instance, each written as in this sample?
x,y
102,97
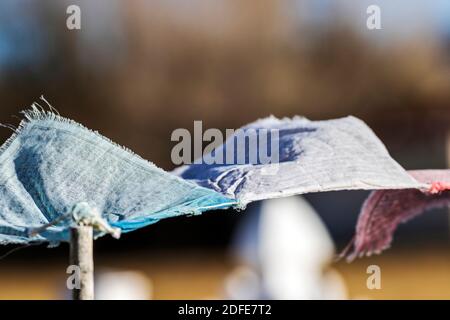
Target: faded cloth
x,y
384,210
53,163
314,156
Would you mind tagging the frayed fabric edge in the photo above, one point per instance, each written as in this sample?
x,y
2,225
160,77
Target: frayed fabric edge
x,y
351,252
36,112
39,113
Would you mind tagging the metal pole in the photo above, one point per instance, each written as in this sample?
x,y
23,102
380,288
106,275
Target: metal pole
x,y
81,255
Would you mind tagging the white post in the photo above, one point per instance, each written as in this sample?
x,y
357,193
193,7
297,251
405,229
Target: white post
x,y
81,255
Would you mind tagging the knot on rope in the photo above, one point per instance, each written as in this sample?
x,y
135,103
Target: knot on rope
x,y
84,215
437,187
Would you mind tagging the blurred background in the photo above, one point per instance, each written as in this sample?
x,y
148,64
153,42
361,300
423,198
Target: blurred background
x,y
137,70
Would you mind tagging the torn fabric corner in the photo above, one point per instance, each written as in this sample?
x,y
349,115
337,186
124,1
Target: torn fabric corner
x,y
384,210
314,156
53,163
